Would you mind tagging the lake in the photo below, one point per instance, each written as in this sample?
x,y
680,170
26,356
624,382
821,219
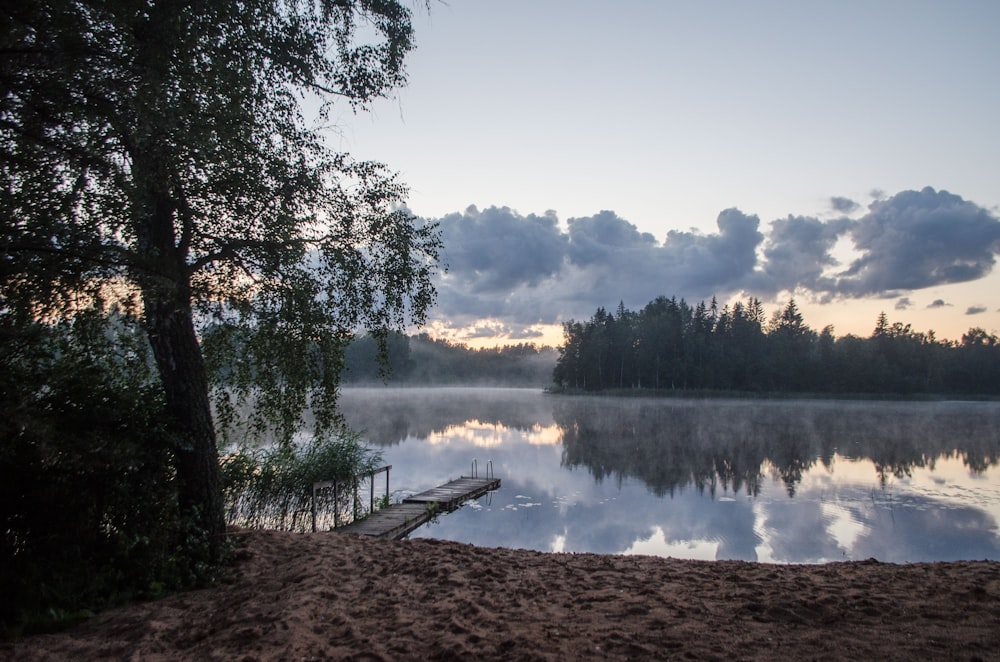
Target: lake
x,y
786,481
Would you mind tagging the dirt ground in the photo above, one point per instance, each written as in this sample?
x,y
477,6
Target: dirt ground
x,y
335,596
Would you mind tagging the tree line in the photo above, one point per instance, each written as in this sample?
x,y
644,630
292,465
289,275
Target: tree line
x,y
424,361
672,345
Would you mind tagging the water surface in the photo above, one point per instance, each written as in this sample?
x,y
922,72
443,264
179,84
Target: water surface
x,y
763,480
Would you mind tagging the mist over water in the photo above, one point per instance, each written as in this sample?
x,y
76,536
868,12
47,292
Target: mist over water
x,y
767,480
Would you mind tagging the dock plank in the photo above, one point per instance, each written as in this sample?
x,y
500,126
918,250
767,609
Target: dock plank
x,y
400,519
453,493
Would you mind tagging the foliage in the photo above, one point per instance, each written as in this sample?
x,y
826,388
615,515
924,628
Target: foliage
x,y
157,154
272,487
88,510
672,345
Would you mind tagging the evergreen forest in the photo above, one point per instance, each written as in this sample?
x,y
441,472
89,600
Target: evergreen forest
x,y
672,345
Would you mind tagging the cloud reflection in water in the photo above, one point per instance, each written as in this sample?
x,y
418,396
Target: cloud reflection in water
x,y
783,481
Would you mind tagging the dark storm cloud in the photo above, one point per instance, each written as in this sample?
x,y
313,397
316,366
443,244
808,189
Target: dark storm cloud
x,y
919,239
843,205
975,310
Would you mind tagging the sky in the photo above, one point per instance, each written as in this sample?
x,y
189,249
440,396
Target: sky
x,y
583,154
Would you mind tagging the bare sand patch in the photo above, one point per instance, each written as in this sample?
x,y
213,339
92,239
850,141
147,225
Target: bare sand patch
x,y
332,596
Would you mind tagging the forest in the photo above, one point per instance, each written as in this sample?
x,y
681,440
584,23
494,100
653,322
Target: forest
x,y
672,345
425,361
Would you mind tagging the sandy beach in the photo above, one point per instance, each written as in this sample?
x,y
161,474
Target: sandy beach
x,y
334,596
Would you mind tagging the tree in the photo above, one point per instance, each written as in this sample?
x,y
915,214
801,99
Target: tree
x,y
156,154
978,361
568,369
746,344
790,339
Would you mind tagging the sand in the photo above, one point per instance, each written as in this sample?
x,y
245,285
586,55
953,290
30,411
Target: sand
x,y
336,596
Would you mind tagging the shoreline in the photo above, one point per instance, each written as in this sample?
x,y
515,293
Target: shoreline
x,y
336,596
720,394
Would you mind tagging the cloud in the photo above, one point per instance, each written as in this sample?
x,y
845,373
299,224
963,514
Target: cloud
x,y
528,333
497,250
499,264
703,264
487,329
843,205
525,270
605,238
492,328
508,273
918,239
975,310
611,261
797,251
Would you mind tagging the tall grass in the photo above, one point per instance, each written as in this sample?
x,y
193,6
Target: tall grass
x,y
272,488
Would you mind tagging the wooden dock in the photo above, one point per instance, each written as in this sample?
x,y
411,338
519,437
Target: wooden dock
x,y
400,519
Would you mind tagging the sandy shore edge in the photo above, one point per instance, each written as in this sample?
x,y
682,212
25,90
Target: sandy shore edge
x,y
334,596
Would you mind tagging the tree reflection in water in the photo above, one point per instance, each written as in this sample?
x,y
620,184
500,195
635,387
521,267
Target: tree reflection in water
x,y
670,444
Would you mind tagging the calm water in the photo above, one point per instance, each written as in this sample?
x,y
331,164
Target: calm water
x,y
776,481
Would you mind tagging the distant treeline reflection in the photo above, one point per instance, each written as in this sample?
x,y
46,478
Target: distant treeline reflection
x,y
729,445
671,345
714,445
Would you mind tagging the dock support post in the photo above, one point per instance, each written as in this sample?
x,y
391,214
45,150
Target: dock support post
x,y
314,509
336,504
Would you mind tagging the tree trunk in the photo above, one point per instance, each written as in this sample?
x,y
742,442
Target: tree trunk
x,y
163,274
166,294
182,370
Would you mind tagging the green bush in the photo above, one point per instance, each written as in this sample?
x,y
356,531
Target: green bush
x,y
88,494
87,501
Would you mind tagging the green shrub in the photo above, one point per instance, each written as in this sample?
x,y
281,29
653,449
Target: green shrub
x,y
88,510
88,494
